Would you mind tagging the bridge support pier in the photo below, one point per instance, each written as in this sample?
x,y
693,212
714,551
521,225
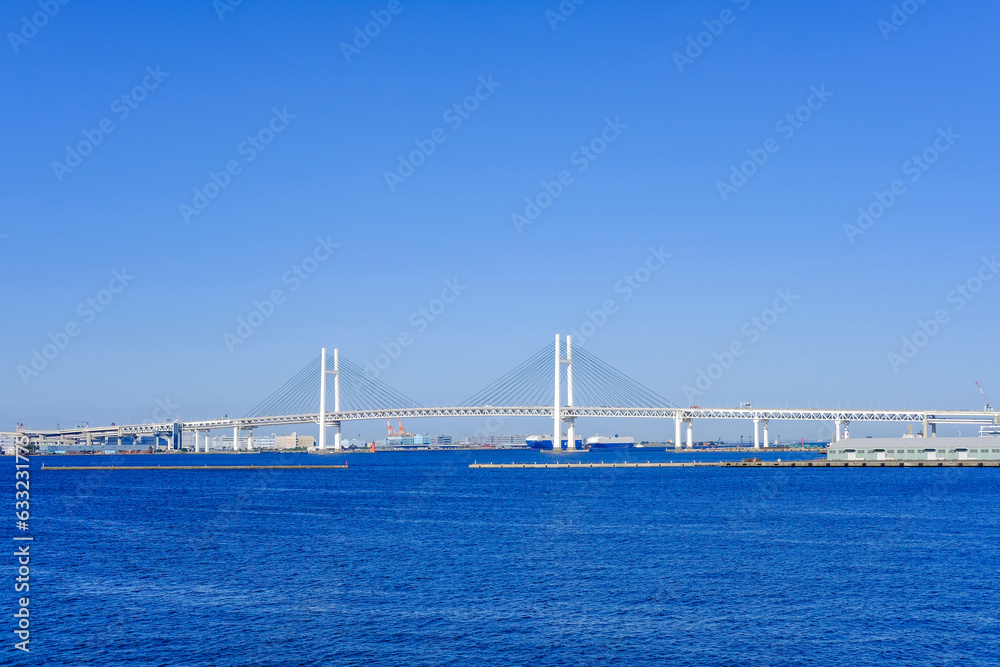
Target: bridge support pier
x,y
690,438
249,439
756,433
766,436
196,442
677,432
236,438
837,424
336,435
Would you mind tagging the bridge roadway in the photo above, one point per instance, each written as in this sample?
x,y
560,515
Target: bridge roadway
x,y
838,416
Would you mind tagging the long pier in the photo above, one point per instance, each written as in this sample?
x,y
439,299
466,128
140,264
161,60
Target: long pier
x,y
748,464
205,467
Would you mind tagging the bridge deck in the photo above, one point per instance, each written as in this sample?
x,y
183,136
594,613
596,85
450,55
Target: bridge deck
x,y
983,418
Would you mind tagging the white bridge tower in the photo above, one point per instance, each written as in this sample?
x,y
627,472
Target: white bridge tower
x,y
322,398
557,414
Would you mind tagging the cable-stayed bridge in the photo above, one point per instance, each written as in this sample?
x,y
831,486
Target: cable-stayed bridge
x,y
559,381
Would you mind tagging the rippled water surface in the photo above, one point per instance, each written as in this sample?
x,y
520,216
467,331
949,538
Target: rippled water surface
x,y
414,559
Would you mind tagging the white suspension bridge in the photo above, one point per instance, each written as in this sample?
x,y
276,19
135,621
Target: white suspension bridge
x,y
577,383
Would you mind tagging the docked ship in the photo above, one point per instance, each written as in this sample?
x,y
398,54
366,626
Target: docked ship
x,y
599,442
544,443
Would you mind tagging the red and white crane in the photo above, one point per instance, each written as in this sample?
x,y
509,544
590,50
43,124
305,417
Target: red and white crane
x,y
989,406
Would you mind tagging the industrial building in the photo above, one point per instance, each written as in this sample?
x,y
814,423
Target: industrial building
x,y
257,442
916,449
498,440
293,441
409,440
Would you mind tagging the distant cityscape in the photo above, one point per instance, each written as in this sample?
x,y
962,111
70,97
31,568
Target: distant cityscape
x,y
296,442
273,441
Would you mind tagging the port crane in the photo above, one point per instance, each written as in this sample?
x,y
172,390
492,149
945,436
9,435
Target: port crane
x,y
989,406
399,431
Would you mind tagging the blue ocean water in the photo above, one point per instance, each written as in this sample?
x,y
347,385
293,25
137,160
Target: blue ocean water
x,y
414,559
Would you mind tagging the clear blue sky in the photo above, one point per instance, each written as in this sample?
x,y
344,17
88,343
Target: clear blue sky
x,y
680,125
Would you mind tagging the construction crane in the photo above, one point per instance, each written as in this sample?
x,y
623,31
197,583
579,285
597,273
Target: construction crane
x,y
989,406
399,431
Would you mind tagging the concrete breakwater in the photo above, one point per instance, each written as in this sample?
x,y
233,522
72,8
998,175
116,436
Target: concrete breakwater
x,y
206,467
751,464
